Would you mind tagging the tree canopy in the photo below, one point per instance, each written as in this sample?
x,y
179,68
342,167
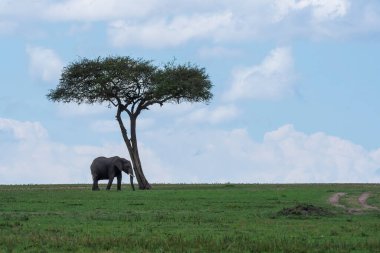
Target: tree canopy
x,y
134,83
131,85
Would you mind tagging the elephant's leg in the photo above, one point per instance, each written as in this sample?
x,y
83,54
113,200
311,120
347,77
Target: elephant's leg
x,y
109,183
119,183
95,186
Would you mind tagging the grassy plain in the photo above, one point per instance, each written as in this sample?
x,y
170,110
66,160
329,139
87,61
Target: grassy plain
x,y
185,218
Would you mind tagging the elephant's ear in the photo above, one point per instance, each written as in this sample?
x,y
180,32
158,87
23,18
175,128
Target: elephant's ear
x,y
117,163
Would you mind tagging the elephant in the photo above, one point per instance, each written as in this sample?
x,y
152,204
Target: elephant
x,y
108,168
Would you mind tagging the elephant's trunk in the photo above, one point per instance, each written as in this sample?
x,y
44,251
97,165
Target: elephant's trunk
x,y
131,179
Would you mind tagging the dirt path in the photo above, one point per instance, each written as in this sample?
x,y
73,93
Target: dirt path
x,y
362,200
334,199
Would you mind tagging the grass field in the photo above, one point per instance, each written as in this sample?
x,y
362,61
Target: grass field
x,y
186,218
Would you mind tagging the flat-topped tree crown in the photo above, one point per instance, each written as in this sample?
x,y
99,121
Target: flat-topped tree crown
x,y
131,82
131,85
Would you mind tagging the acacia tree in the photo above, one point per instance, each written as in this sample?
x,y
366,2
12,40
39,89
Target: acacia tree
x,y
131,86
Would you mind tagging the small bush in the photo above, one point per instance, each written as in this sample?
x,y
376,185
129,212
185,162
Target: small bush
x,y
304,210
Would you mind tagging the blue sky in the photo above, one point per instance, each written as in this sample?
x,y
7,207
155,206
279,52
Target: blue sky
x,y
296,86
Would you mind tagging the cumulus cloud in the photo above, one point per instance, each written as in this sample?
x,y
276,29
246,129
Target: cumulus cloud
x,y
44,63
322,10
23,130
224,21
28,155
285,155
77,10
317,157
271,79
164,23
95,10
162,33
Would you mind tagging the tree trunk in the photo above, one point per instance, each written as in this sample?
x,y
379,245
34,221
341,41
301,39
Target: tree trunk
x,y
141,179
131,144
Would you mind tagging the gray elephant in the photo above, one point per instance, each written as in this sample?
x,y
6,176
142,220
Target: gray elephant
x,y
108,168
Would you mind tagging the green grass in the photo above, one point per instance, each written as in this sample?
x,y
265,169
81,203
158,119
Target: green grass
x,y
185,218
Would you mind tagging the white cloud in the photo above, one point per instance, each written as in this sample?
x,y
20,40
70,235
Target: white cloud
x,y
164,23
23,130
284,156
44,63
271,79
221,21
163,33
95,10
326,9
363,23
29,156
317,157
322,10
77,10
217,115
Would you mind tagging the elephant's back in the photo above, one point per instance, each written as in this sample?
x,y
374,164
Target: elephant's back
x,y
99,168
99,161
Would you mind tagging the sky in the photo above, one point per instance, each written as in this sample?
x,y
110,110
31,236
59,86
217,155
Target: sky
x,y
295,84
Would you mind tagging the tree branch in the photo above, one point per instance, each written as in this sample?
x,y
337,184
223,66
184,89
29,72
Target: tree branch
x,y
124,131
113,103
156,101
